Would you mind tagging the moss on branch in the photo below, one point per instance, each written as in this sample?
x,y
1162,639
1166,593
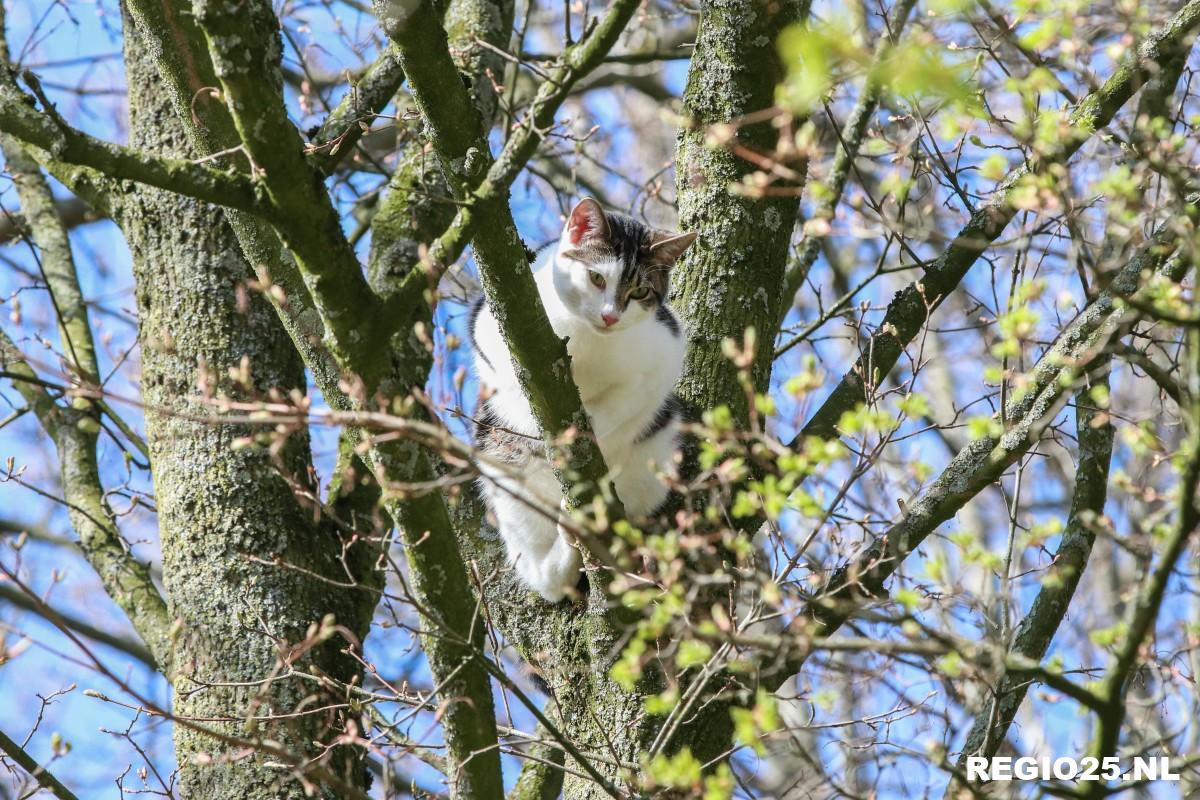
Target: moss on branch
x,y
60,142
342,129
245,49
732,279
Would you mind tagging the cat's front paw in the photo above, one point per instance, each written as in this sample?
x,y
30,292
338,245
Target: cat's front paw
x,y
564,514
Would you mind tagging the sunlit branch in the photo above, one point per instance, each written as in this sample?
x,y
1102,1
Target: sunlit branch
x,y
60,142
985,459
245,49
344,126
40,774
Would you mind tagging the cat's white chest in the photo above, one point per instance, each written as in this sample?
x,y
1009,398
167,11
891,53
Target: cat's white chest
x,y
596,372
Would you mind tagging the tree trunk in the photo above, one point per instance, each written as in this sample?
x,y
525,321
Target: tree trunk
x,y
246,564
733,278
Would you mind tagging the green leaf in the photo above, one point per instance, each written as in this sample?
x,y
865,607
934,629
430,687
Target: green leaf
x,y
692,653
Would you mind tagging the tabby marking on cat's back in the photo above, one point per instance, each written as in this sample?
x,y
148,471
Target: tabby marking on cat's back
x,y
670,411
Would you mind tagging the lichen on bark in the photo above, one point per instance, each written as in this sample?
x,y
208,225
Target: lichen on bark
x,y
245,580
733,277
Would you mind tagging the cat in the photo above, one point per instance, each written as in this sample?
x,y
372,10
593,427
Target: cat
x,y
604,287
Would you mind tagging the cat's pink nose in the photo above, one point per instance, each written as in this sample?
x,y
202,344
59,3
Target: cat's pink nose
x,y
610,319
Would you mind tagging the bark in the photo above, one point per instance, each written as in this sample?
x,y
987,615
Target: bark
x,y
245,48
177,46
234,538
74,427
417,209
733,277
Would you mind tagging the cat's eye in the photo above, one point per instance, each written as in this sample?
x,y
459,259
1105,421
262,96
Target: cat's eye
x,y
640,293
596,278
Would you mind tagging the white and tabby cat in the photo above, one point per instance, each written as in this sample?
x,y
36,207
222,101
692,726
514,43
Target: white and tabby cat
x,y
603,285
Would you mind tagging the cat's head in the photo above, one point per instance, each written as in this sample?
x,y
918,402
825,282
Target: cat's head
x,y
611,270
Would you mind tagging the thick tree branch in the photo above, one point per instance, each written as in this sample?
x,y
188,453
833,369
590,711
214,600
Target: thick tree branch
x,y
245,47
60,142
732,279
177,47
417,208
367,96
233,520
453,643
439,575
72,211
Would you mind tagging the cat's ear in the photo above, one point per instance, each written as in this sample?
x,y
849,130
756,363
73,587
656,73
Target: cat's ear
x,y
587,221
666,248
